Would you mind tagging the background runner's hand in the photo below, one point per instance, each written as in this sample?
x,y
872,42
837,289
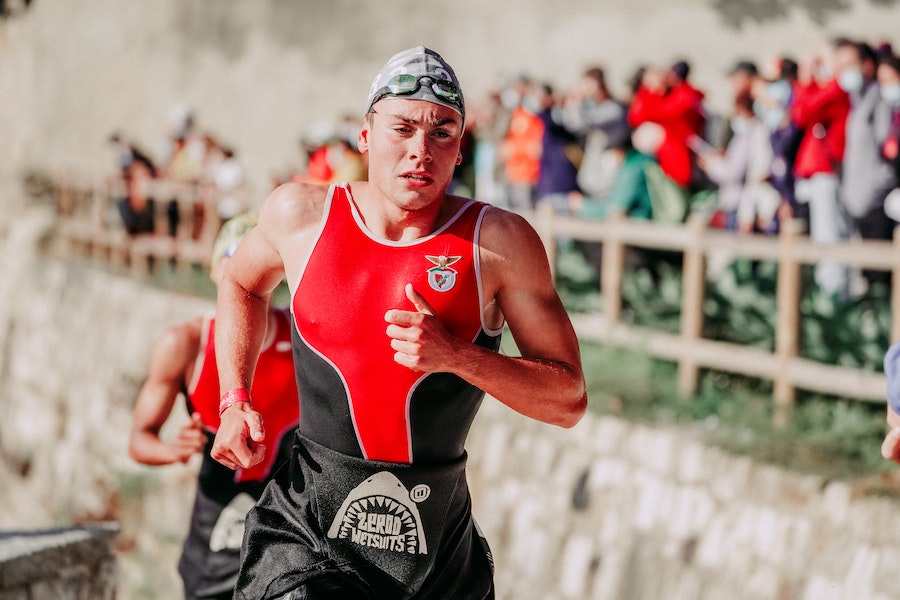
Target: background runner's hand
x,y
237,443
890,448
420,339
190,440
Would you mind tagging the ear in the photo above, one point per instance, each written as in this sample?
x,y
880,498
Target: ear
x,y
459,158
362,140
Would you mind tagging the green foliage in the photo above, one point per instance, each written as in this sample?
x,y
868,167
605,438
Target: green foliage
x,y
834,437
826,436
740,307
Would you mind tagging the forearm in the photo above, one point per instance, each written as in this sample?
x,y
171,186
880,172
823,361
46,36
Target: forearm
x,y
546,390
241,321
147,448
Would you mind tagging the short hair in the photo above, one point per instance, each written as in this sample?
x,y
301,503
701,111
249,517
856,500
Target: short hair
x,y
598,75
891,61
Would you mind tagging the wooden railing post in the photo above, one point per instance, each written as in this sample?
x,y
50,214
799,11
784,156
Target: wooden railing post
x,y
612,269
544,218
692,307
787,322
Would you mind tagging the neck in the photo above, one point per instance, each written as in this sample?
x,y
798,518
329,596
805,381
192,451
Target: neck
x,y
398,223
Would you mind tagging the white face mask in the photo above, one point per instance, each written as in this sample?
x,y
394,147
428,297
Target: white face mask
x,y
773,118
891,94
739,125
851,80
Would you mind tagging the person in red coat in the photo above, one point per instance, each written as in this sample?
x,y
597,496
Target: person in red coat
x,y
820,110
666,98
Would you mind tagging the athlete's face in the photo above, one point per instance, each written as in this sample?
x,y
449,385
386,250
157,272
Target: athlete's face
x,y
413,148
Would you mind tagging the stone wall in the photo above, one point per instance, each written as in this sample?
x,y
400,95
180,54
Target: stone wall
x,y
609,510
58,564
614,509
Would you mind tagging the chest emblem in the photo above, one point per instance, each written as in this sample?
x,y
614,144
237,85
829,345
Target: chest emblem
x,y
441,277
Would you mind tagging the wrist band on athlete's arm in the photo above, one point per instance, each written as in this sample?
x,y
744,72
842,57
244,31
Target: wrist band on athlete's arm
x,y
233,397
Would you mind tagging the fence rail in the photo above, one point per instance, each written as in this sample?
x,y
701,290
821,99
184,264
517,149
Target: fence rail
x,y
90,223
790,249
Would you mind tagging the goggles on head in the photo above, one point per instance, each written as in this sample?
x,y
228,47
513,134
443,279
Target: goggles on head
x,y
406,84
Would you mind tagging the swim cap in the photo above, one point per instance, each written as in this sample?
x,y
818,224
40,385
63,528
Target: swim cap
x,y
230,234
419,62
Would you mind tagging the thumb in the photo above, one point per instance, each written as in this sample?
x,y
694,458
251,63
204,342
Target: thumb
x,y
256,429
418,300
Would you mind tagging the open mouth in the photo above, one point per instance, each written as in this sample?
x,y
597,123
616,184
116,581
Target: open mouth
x,y
415,177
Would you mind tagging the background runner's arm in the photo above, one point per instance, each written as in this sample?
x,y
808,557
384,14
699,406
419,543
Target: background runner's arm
x,y
172,355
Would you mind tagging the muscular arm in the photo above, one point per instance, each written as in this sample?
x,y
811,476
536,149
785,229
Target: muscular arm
x,y
172,356
245,291
546,382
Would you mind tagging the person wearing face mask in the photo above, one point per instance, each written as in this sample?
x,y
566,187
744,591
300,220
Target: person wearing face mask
x,y
889,86
820,109
772,102
867,179
747,201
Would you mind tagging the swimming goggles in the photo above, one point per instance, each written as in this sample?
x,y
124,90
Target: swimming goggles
x,y
405,84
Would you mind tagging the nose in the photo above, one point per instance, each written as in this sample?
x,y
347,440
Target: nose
x,y
420,147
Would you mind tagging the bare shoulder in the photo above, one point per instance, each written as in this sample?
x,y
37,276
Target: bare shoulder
x,y
182,337
293,206
508,237
176,348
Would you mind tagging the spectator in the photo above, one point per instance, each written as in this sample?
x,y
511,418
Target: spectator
x,y
560,155
741,171
820,109
867,178
522,148
666,98
772,103
889,83
601,124
137,208
630,194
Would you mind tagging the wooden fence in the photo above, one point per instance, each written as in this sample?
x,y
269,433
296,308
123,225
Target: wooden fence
x,y
90,224
791,249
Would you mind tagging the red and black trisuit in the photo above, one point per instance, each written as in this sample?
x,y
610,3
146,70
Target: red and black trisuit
x,y
375,502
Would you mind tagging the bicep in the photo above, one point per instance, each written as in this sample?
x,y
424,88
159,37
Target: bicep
x,y
528,299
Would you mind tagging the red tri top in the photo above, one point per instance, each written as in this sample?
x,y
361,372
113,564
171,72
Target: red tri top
x,y
355,398
274,390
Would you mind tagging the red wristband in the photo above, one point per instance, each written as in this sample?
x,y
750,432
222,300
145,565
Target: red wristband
x,y
233,397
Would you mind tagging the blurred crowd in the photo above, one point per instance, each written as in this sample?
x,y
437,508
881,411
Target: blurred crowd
x,y
194,179
812,137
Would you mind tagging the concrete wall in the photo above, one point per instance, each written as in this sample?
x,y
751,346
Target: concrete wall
x,y
609,510
261,73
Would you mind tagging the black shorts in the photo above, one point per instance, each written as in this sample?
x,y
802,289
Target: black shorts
x,y
334,526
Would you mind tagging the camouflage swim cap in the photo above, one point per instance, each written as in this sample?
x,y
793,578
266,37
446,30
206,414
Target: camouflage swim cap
x,y
231,233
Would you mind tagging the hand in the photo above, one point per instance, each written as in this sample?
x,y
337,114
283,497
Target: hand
x,y
890,448
190,439
420,339
237,444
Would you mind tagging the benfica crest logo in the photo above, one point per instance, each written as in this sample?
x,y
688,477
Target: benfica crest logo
x,y
441,277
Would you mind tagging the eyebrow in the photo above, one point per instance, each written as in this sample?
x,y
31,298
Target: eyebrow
x,y
411,121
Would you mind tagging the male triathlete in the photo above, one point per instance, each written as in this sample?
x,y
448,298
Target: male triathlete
x,y
399,294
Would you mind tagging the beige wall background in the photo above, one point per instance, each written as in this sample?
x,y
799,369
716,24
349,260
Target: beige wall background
x,y
259,74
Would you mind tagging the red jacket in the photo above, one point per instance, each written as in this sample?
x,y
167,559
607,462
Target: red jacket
x,y
681,115
821,111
